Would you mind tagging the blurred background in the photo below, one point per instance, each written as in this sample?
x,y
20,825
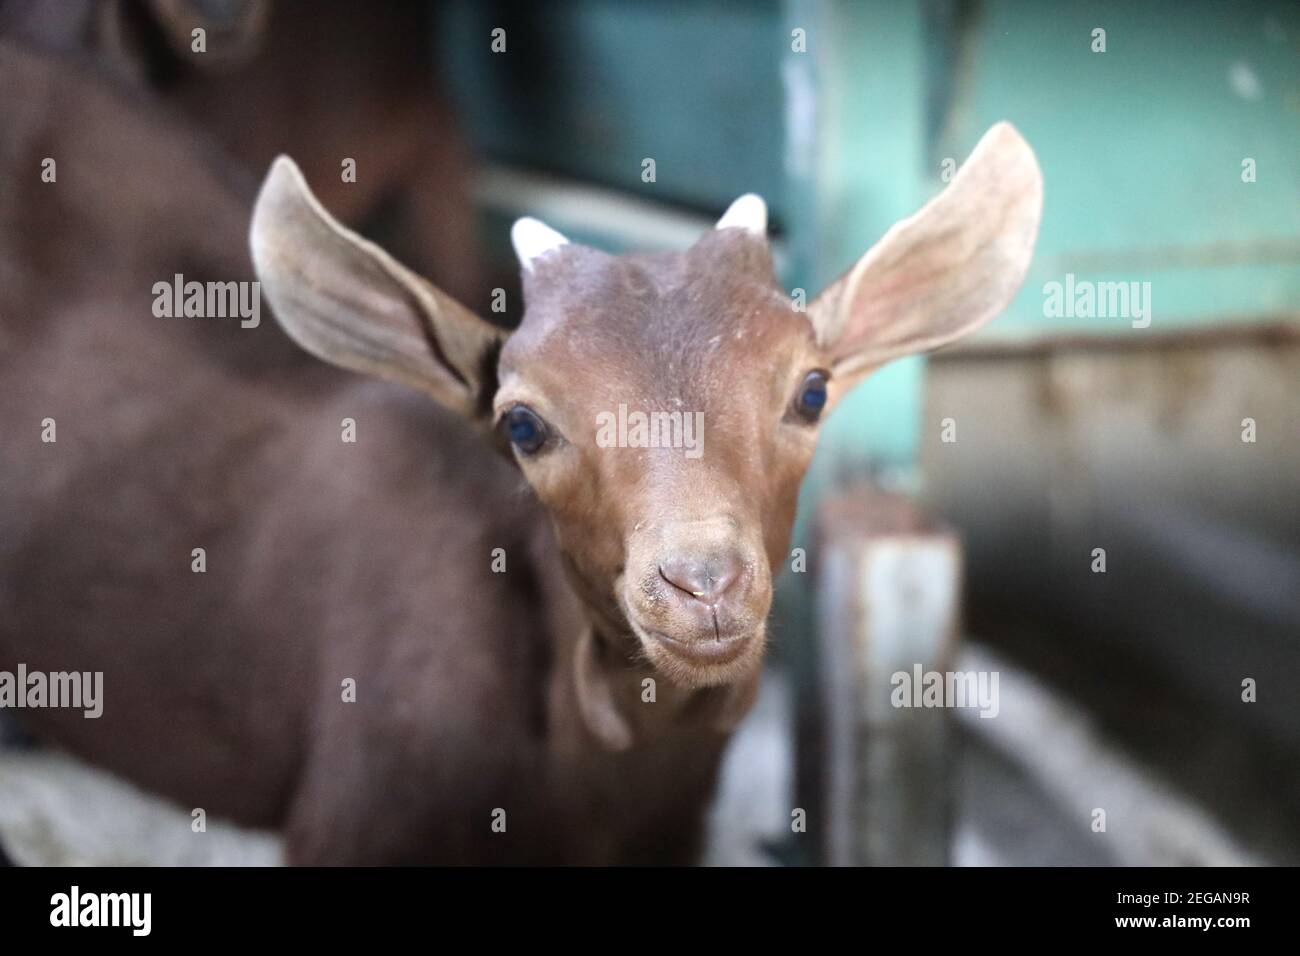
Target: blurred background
x,y
956,508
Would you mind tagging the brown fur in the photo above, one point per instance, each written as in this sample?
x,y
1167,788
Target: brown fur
x,y
323,81
325,560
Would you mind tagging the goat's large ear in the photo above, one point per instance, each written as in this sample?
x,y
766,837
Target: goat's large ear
x,y
943,272
347,301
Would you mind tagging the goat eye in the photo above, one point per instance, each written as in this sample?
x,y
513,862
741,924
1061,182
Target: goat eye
x,y
524,428
811,399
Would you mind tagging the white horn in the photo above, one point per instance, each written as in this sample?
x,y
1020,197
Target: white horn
x,y
533,238
749,212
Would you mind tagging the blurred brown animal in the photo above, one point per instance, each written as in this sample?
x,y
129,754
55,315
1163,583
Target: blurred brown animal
x,y
478,693
324,81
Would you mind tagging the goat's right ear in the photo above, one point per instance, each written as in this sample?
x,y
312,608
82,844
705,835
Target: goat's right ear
x,y
348,302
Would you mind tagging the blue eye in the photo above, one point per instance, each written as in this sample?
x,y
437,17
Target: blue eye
x,y
526,431
810,401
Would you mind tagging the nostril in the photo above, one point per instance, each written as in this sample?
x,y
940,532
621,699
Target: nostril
x,y
684,575
704,580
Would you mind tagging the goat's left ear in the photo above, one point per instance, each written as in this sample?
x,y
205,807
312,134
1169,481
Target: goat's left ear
x,y
348,302
942,273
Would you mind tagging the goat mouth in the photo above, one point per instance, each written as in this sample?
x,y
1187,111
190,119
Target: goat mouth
x,y
706,653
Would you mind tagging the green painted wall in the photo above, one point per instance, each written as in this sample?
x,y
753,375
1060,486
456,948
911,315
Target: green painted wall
x,y
590,88
1142,149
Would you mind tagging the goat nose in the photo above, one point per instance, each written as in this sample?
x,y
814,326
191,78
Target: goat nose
x,y
705,580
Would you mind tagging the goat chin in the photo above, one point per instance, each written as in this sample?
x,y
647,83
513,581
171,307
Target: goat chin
x,y
701,664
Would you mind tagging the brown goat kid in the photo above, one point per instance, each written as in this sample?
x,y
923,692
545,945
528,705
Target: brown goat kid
x,y
669,546
483,697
